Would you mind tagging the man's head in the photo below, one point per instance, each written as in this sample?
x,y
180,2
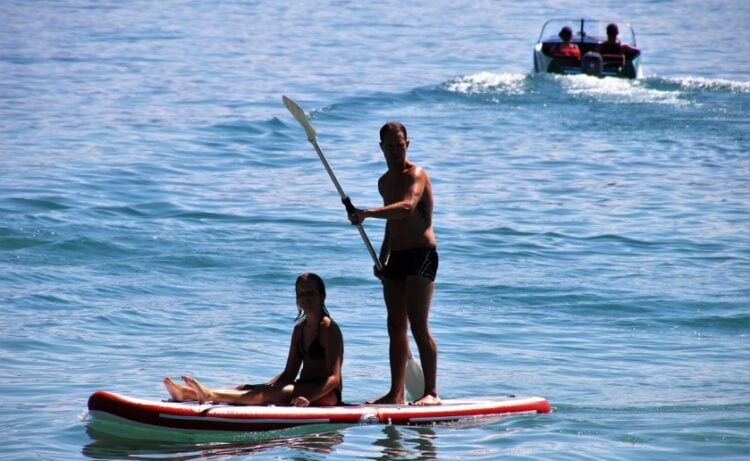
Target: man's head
x,y
612,30
392,126
394,143
566,33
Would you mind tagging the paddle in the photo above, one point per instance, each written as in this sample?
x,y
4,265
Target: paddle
x,y
414,374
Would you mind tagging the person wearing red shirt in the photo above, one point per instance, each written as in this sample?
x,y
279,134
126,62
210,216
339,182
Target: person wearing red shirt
x,y
566,49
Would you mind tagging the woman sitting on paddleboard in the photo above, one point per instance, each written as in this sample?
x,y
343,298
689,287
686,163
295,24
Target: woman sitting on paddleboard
x,y
317,347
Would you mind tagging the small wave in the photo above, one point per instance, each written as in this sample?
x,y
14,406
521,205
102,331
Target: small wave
x,y
88,246
32,205
118,211
207,216
707,84
488,82
155,209
501,231
735,322
10,239
271,126
670,407
18,243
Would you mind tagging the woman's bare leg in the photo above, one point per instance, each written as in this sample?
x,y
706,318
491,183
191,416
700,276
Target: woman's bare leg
x,y
259,396
178,392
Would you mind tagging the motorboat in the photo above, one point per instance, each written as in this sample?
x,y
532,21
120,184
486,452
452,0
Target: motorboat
x,y
590,35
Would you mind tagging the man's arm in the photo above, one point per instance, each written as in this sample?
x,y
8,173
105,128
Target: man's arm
x,y
399,209
629,51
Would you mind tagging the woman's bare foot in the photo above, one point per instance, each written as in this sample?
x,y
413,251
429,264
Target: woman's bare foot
x,y
202,393
427,399
179,393
389,398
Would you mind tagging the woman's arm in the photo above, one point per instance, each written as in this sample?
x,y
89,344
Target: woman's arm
x,y
333,344
293,361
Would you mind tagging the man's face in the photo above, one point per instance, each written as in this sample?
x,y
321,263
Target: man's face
x,y
394,147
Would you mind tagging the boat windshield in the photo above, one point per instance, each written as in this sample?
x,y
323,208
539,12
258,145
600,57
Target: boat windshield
x,y
585,31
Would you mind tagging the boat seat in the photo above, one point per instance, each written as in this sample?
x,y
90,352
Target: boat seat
x,y
560,64
565,61
587,47
613,61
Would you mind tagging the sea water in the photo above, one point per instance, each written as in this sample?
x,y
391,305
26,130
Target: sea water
x,y
157,202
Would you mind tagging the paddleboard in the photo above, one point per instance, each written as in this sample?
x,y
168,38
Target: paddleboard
x,y
119,415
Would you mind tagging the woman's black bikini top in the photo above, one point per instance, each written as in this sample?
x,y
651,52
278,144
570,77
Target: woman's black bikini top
x,y
315,351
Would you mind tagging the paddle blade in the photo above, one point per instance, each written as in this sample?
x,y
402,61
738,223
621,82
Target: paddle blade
x,y
300,116
414,379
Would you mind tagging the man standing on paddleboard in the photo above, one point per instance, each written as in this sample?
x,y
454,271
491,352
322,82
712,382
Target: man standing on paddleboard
x,y
410,261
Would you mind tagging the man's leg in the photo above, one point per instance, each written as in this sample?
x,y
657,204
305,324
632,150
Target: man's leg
x,y
418,291
393,292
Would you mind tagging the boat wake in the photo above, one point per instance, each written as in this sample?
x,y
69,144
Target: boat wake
x,y
651,90
619,91
703,84
488,82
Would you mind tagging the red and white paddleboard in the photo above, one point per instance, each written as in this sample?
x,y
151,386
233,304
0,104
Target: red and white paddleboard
x,y
115,414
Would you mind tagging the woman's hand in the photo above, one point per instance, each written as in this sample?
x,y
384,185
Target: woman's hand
x,y
300,401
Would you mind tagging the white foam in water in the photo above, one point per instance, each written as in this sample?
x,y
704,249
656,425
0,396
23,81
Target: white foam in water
x,y
486,82
698,83
619,90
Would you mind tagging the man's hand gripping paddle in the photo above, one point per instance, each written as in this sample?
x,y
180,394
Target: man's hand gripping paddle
x,y
414,374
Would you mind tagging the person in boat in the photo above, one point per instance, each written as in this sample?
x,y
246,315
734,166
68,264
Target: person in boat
x,y
613,46
410,261
566,49
317,347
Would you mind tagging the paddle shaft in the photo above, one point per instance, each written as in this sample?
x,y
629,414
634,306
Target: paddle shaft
x,y
348,204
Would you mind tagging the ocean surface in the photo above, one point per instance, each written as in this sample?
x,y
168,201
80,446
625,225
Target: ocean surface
x,y
157,202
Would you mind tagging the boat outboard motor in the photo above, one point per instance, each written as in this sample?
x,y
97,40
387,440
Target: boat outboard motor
x,y
592,63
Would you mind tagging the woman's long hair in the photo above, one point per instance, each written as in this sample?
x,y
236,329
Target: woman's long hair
x,y
319,285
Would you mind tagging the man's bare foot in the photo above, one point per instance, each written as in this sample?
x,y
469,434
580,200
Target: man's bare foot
x,y
202,393
178,392
389,398
427,399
